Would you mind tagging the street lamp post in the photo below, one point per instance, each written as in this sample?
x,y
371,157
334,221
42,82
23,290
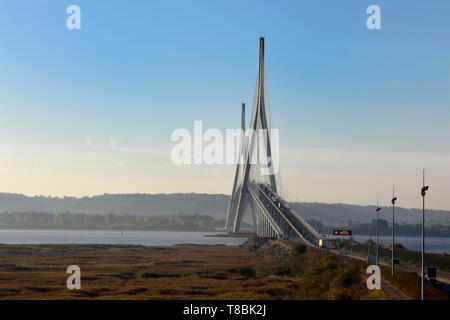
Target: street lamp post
x,y
378,232
423,193
394,199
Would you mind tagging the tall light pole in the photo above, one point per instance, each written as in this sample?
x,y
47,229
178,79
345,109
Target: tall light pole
x,y
378,232
423,193
393,200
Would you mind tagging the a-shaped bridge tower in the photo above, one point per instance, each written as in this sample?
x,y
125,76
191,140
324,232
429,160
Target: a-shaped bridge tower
x,y
272,215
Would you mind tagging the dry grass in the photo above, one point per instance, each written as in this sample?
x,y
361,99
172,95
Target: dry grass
x,y
177,272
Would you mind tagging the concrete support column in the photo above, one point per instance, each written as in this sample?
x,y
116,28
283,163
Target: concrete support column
x,y
263,227
260,224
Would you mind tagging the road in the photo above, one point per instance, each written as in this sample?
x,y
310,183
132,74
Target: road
x,y
441,276
386,286
392,291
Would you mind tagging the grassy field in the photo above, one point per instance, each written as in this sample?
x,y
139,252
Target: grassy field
x,y
259,270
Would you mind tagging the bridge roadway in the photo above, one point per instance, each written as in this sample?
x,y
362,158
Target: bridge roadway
x,y
284,220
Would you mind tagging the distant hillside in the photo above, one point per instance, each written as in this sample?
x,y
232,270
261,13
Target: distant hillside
x,y
214,205
142,204
342,214
84,221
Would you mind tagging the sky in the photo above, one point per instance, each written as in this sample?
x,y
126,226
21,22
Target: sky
x,y
91,111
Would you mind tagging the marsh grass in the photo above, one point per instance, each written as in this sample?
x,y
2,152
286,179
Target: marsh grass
x,y
261,270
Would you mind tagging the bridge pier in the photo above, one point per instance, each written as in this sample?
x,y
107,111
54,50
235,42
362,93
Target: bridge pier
x,y
264,228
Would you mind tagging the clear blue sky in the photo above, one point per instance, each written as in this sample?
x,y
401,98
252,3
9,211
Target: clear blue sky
x,y
137,70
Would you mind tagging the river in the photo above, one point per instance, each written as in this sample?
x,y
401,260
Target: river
x,y
147,238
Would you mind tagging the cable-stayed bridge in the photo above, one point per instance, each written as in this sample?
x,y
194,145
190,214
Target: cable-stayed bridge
x,y
272,215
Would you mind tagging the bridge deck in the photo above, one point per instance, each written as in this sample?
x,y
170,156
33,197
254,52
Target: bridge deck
x,y
286,220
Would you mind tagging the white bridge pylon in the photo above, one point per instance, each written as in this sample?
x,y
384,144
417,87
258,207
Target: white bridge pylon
x,y
272,216
241,196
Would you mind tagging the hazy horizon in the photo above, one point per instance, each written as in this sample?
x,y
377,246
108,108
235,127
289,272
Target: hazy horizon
x,y
208,194
91,111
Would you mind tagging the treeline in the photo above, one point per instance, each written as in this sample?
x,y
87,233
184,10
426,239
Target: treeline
x,y
385,228
44,220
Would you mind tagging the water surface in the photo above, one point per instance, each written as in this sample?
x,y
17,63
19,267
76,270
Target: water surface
x,y
147,238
